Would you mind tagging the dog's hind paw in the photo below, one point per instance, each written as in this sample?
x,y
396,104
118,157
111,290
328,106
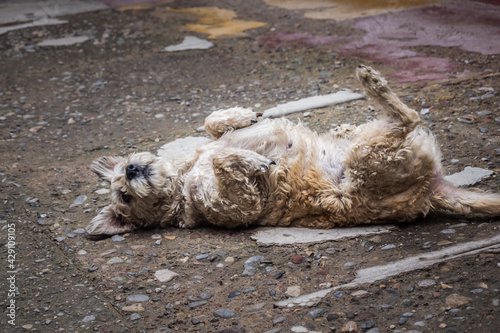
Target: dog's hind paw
x,y
371,79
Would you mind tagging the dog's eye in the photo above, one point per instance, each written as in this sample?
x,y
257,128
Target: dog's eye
x,y
126,197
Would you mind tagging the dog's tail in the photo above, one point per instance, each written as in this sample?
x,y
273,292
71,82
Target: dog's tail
x,y
446,197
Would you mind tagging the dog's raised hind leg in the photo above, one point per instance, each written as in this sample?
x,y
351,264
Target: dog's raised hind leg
x,y
222,121
376,87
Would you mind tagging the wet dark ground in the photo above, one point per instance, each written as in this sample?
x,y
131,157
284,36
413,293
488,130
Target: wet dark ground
x,y
62,107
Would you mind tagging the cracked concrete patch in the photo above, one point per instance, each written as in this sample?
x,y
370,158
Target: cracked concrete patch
x,y
181,148
469,176
287,236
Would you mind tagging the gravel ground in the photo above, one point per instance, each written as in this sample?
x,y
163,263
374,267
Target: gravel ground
x,y
118,92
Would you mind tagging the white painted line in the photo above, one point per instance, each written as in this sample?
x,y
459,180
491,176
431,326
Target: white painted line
x,y
41,22
35,10
64,41
190,43
287,236
314,102
377,273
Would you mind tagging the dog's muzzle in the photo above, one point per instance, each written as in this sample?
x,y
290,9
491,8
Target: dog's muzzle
x,y
131,171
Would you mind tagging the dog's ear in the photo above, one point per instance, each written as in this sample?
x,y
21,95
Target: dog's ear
x,y
107,222
104,167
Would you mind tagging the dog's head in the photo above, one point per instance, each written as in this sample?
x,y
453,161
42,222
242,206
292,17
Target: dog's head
x,y
140,189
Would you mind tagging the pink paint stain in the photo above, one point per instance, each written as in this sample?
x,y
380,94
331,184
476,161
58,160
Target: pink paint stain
x,y
470,26
298,39
391,38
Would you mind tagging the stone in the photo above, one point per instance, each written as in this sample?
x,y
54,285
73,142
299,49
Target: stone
x,y
165,275
360,294
224,313
388,247
87,319
196,304
80,200
426,283
206,296
135,316
133,308
456,300
114,260
250,289
298,259
316,313
137,298
201,256
196,321
117,238
350,326
350,264
299,329
102,191
367,325
373,330
293,291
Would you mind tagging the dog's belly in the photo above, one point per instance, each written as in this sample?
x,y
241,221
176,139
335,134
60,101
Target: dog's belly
x,y
307,173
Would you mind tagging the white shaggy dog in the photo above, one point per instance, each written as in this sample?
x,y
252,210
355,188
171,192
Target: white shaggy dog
x,y
276,173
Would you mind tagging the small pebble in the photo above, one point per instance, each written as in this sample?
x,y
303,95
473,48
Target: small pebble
x,y
88,318
350,264
117,238
206,296
114,260
426,283
367,325
196,304
316,313
224,313
137,298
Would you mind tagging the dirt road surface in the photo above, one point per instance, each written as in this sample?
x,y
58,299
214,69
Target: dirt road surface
x,y
83,79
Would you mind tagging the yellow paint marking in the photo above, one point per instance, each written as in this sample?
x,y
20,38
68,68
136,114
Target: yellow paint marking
x,y
217,22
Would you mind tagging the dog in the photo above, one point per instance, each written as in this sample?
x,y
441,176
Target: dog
x,y
276,173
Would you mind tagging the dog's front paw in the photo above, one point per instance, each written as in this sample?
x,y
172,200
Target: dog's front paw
x,y
257,163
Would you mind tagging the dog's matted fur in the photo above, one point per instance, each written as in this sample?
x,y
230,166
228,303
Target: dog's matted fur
x,y
276,173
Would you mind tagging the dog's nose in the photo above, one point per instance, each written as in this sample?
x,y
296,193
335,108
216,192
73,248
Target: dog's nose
x,y
131,171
